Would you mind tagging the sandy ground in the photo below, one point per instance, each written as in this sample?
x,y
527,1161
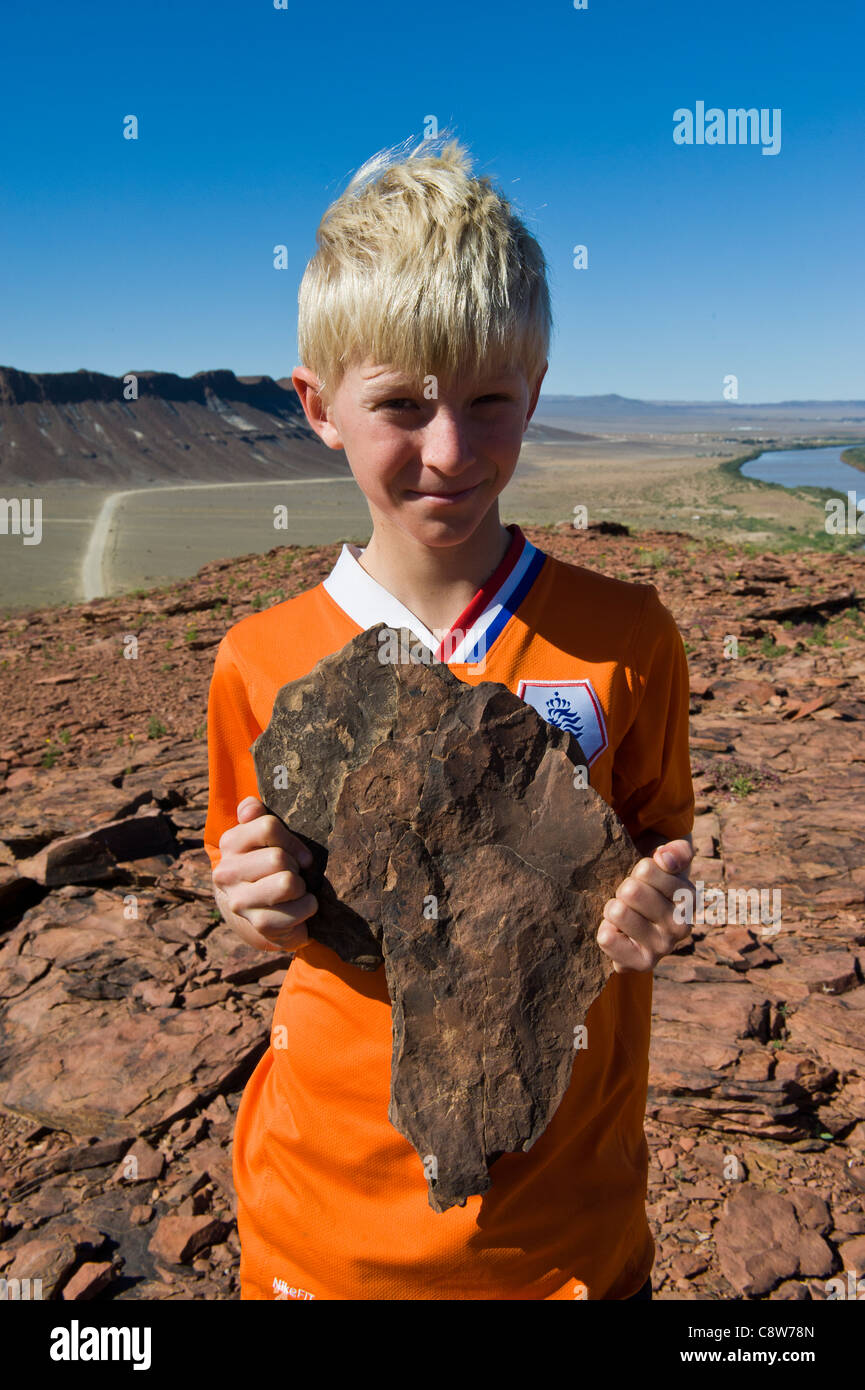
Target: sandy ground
x,y
92,544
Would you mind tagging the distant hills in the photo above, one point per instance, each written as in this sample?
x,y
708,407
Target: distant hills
x,y
215,426
718,417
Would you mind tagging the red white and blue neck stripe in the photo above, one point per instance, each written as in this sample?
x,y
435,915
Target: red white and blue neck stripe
x,y
482,620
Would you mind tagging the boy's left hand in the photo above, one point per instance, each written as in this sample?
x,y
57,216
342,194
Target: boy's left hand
x,y
638,926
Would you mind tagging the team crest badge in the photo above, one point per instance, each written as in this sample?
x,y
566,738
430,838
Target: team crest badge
x,y
571,705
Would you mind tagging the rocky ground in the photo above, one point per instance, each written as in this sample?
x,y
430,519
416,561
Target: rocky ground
x,y
132,1017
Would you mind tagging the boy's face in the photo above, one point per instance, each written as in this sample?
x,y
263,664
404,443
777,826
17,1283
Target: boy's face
x,y
431,467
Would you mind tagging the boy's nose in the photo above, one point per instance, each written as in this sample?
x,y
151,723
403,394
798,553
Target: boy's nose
x,y
446,440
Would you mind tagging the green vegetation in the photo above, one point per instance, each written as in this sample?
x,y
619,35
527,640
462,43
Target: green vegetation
x,y
769,648
855,457
741,786
155,727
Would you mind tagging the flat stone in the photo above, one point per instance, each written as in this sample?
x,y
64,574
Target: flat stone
x,y
178,1239
414,791
89,1280
757,1240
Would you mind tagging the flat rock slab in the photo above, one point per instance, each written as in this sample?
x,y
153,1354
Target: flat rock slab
x,y
455,841
80,1048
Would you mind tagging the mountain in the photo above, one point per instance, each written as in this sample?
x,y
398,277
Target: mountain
x,y
213,426
624,413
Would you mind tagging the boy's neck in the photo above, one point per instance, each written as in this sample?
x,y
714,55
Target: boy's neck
x,y
435,582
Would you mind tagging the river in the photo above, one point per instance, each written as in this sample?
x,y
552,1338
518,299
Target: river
x,y
809,468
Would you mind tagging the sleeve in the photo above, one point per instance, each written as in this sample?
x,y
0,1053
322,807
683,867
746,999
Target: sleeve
x,y
231,728
652,788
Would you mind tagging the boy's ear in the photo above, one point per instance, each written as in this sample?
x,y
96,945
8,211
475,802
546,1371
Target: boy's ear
x,y
535,394
308,386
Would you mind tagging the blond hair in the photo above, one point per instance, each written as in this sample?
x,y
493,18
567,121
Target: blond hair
x,y
425,267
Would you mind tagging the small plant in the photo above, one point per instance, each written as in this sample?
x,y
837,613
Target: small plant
x,y
741,786
770,648
49,757
199,731
64,736
155,727
191,634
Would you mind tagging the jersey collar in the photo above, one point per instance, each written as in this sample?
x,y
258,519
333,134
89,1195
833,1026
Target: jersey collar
x,y
472,634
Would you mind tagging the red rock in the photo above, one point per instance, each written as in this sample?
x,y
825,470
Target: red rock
x,y
757,1240
852,1254
140,1163
688,1265
811,1209
832,972
178,1239
141,1214
93,854
210,994
88,1280
48,1258
815,1256
21,777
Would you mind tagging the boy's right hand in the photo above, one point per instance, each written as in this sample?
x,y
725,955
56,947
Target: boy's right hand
x,y
257,881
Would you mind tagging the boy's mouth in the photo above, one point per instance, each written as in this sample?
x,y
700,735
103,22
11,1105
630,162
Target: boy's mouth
x,y
446,497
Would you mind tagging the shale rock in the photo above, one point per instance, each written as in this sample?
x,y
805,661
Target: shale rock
x,y
453,842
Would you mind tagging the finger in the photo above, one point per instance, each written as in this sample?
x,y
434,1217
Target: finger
x,y
257,864
626,955
279,890
642,932
640,895
260,832
674,856
271,921
648,871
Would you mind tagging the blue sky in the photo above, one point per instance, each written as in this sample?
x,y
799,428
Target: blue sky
x,y
703,261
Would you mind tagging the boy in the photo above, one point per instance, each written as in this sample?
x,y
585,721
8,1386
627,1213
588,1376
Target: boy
x,y
424,328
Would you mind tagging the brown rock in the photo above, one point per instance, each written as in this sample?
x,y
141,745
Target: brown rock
x,y
790,1291
178,1239
414,789
852,1254
831,972
93,854
89,1280
77,1050
757,1240
140,1163
811,1209
49,1258
815,1257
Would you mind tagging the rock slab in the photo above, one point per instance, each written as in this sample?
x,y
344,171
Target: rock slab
x,y
456,842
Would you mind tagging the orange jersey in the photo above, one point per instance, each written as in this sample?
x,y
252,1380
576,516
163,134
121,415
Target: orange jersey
x,y
332,1200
